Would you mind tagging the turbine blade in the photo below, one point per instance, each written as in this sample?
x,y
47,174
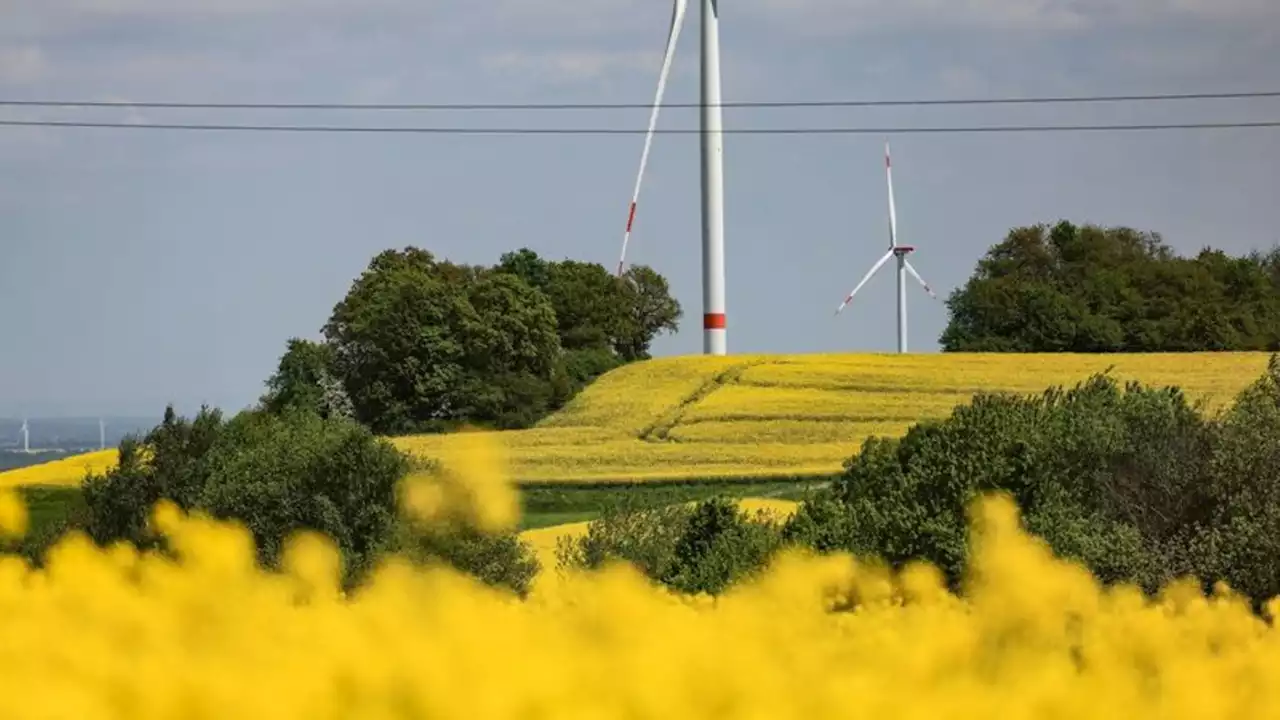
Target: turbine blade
x,y
919,279
673,35
879,264
893,211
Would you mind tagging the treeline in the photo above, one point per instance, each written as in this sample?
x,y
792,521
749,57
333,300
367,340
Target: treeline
x,y
421,344
418,344
277,474
1135,482
1090,289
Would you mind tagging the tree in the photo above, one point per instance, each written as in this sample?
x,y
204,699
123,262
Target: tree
x,y
1112,476
278,474
421,343
275,474
597,314
1071,288
720,545
304,380
166,464
651,311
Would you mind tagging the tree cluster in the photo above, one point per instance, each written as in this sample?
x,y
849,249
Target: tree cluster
x,y
280,474
1090,289
1133,481
422,344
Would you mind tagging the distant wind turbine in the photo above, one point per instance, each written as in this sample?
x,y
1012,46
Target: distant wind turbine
x,y
26,436
904,267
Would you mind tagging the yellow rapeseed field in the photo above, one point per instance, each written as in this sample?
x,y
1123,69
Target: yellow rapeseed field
x,y
105,634
785,415
761,416
67,471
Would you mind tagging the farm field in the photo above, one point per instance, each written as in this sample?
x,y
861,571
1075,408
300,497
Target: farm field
x,y
66,472
773,416
763,417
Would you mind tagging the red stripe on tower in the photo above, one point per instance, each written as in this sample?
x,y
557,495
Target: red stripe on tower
x,y
631,217
713,321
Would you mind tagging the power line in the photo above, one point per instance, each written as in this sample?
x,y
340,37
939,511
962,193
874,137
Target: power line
x,y
611,106
420,130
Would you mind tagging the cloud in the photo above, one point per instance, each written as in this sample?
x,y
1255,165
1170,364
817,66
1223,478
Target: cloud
x,y
199,7
572,66
50,18
1052,15
22,64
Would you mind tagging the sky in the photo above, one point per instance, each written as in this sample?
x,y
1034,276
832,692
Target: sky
x,y
140,268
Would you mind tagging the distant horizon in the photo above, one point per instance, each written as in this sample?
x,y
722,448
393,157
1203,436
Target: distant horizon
x,y
67,418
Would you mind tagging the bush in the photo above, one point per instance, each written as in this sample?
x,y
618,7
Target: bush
x,y
1111,476
703,548
276,474
720,545
1240,541
502,561
279,474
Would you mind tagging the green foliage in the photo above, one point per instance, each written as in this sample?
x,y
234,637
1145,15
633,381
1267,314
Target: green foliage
x,y
1091,289
702,548
52,512
419,341
1241,541
275,474
305,381
167,464
597,311
420,344
650,310
720,545
1135,482
280,475
502,561
643,535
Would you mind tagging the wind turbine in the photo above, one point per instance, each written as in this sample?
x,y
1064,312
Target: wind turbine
x,y
26,437
713,277
904,267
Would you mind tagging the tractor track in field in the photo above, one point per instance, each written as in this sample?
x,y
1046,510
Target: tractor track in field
x,y
658,430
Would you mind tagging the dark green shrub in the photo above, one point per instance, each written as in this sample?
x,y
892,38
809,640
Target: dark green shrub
x,y
700,548
1108,475
502,561
276,474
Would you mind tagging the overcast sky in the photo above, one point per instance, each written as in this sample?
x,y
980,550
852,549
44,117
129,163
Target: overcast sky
x,y
145,267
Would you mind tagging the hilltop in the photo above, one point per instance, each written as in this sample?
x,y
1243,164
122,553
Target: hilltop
x,y
778,416
775,416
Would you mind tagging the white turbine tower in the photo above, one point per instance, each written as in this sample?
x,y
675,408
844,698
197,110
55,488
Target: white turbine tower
x,y
26,437
713,279
904,267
